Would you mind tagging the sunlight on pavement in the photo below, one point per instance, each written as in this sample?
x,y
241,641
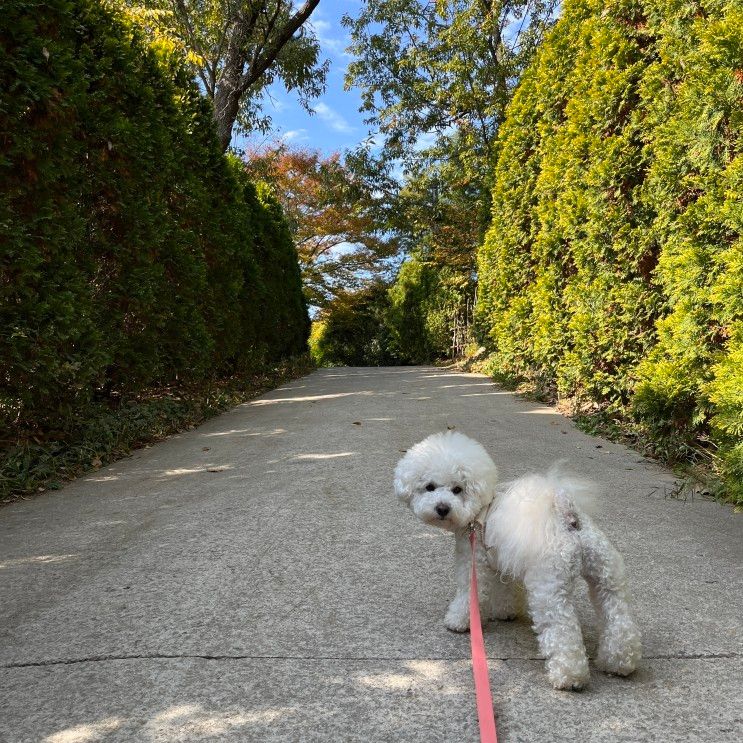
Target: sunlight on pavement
x,y
36,560
307,398
194,470
466,384
485,394
83,733
244,432
324,456
422,675
189,722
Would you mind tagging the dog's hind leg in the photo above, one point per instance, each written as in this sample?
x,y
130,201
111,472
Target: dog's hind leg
x,y
549,592
603,568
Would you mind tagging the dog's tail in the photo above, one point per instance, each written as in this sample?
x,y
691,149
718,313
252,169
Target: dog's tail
x,y
535,515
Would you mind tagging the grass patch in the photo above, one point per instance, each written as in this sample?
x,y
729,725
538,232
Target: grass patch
x,y
697,467
33,464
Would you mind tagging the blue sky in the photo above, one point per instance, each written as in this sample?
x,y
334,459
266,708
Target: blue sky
x,y
336,124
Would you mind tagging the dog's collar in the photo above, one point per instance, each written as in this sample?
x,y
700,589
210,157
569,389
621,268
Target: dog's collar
x,y
480,520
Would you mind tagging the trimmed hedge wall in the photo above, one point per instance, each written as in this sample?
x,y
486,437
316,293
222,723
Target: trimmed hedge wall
x,y
612,273
133,254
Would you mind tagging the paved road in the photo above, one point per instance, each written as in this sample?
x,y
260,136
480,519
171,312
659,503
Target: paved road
x,y
255,580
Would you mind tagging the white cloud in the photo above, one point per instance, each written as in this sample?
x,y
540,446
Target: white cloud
x,y
332,118
321,27
336,46
295,135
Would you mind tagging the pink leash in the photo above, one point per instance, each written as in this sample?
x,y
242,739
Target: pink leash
x,y
480,662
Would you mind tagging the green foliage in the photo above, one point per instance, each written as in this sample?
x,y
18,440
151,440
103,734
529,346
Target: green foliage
x,y
435,79
425,301
351,331
409,322
612,273
431,67
134,254
202,32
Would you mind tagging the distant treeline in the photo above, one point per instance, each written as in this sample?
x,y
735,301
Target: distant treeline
x,y
409,322
133,254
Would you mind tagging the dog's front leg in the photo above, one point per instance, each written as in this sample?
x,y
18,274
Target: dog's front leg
x,y
457,617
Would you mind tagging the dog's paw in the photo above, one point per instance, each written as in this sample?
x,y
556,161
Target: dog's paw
x,y
620,650
569,685
620,663
457,625
456,621
568,676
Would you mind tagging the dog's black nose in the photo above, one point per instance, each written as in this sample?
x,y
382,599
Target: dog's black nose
x,y
443,510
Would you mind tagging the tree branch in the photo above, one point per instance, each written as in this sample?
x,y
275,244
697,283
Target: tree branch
x,y
252,75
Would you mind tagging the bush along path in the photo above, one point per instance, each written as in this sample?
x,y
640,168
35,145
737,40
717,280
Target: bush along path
x,y
143,277
612,275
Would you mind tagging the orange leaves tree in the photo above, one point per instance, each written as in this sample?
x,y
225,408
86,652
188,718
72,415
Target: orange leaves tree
x,y
339,219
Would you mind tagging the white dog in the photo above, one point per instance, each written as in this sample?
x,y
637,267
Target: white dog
x,y
536,537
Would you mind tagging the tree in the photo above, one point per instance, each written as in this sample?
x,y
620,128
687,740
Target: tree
x,y
431,69
436,78
336,217
352,329
237,48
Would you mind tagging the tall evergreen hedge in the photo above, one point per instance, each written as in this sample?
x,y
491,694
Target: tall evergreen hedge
x,y
133,254
612,273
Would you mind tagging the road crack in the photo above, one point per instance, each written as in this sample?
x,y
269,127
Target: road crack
x,y
377,658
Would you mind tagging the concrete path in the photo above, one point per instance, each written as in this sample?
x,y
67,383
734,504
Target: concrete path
x,y
255,580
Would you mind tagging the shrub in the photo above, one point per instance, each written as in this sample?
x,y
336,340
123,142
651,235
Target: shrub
x,y
352,330
425,301
134,254
612,274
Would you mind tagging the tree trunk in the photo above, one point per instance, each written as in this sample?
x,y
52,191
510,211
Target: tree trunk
x,y
235,80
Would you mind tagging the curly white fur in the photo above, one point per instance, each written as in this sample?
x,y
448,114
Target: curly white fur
x,y
535,537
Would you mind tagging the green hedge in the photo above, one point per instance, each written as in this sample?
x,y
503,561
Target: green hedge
x,y
424,301
352,330
612,273
133,254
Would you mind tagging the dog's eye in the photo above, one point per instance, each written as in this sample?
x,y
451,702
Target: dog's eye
x,y
430,487
456,490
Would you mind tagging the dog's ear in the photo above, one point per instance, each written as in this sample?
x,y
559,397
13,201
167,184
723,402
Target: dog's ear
x,y
480,484
404,481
